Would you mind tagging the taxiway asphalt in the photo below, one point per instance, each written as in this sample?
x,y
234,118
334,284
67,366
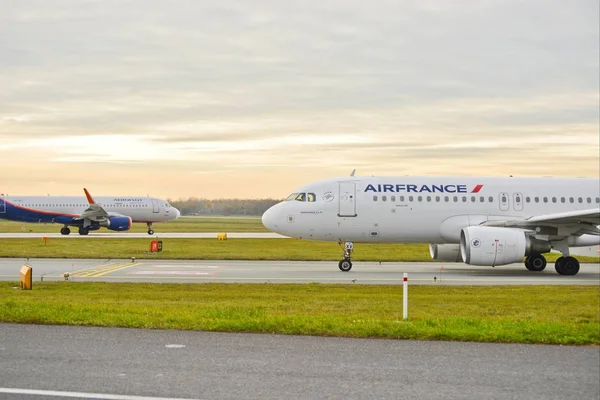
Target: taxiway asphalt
x,y
199,271
86,361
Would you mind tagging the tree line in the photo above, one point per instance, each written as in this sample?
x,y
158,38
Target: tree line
x,y
199,206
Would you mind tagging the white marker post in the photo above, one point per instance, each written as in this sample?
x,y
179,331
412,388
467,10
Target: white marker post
x,y
405,296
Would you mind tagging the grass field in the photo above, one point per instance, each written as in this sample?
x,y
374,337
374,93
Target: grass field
x,y
212,249
532,314
183,224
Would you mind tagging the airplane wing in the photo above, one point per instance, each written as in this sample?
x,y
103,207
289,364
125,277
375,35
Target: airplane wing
x,y
572,222
94,212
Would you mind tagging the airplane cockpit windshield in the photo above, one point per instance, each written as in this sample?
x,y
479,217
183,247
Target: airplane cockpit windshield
x,y
310,197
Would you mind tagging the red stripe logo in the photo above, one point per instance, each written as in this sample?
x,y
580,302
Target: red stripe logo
x,y
477,189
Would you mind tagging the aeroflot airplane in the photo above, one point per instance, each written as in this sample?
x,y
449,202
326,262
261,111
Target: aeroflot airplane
x,y
114,213
481,221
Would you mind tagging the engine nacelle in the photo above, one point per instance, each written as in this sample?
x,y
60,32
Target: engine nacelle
x,y
445,252
118,224
490,246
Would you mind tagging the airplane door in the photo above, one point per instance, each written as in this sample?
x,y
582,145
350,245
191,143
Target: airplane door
x,y
518,201
347,199
2,206
503,201
154,206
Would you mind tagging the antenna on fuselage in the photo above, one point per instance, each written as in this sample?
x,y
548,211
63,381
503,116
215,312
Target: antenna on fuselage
x,y
353,171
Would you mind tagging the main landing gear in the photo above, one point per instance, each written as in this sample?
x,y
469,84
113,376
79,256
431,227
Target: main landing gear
x,y
535,262
150,231
65,230
84,230
564,265
345,265
567,265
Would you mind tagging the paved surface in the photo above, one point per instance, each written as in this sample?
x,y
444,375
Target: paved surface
x,y
290,272
129,235
248,366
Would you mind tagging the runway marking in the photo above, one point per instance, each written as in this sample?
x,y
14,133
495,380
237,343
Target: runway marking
x,y
101,270
83,395
195,273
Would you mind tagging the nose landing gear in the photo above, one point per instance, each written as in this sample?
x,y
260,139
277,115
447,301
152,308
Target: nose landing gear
x,y
345,265
150,231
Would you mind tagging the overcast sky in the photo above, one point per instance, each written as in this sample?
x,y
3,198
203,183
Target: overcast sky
x,y
254,98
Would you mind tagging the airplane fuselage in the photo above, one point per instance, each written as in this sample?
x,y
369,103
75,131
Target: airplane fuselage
x,y
422,210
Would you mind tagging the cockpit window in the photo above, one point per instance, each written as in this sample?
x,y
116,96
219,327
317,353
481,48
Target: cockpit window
x,y
301,197
292,197
311,197
167,205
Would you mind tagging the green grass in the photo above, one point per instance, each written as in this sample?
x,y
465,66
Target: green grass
x,y
213,249
532,314
182,224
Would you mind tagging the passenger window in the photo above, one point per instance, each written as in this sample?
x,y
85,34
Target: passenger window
x,y
393,198
410,198
311,197
464,199
597,199
571,200
528,199
589,200
545,199
383,198
554,199
374,198
482,199
581,200
446,199
420,198
402,198
455,198
562,199
537,199
473,199
437,198
301,197
504,199
491,199
428,198
291,197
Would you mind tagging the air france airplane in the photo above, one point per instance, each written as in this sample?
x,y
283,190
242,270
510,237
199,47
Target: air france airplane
x,y
480,221
114,213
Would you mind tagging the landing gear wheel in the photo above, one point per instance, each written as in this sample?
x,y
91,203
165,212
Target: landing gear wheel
x,y
65,231
150,232
567,266
345,265
536,263
84,231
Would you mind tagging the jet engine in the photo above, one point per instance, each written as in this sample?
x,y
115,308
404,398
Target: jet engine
x,y
491,246
117,223
445,252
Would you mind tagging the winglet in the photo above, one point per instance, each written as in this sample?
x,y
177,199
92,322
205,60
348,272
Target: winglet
x,y
89,196
353,172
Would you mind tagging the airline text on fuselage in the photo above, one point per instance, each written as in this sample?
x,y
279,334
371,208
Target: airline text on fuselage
x,y
408,188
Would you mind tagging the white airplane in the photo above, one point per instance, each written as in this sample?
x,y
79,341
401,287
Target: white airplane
x,y
114,213
481,221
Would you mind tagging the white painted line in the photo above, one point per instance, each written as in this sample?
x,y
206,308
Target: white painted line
x,y
169,273
175,346
82,395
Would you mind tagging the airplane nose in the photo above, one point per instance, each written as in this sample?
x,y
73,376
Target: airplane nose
x,y
269,219
176,213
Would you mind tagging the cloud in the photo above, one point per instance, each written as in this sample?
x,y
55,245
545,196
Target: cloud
x,y
292,91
